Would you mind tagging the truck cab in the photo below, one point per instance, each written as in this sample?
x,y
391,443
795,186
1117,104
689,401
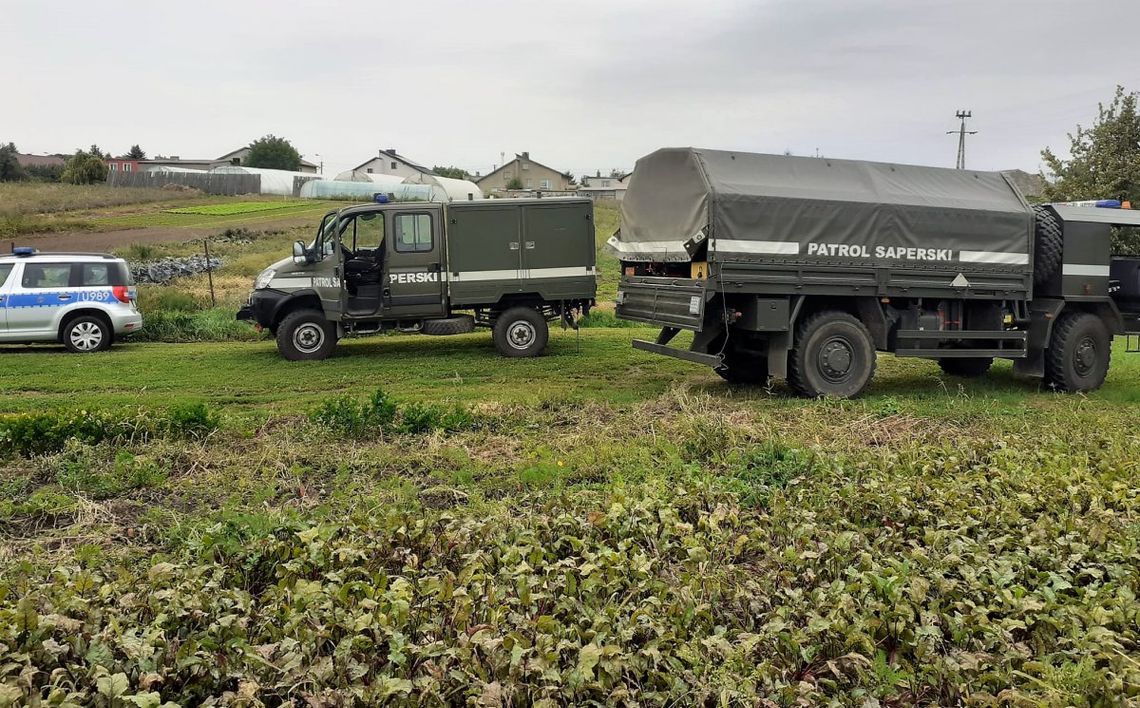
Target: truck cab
x,y
389,266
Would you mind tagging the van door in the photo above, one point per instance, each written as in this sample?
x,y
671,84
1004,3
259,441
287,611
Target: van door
x,y
413,264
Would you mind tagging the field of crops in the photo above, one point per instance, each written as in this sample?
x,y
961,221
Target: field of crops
x,y
419,521
232,208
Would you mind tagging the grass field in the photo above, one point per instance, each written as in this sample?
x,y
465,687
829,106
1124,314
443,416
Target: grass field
x,y
419,521
231,208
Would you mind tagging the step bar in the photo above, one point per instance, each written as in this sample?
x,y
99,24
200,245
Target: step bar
x,y
1018,344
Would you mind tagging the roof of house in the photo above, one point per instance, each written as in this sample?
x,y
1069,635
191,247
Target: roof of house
x,y
518,156
230,155
40,160
391,153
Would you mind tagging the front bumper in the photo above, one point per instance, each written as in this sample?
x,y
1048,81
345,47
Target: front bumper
x,y
261,308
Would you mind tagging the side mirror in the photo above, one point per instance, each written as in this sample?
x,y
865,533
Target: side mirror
x,y
300,256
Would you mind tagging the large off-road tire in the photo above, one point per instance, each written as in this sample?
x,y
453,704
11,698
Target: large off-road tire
x,y
833,356
1048,243
86,334
460,324
1079,353
746,368
969,368
306,335
520,331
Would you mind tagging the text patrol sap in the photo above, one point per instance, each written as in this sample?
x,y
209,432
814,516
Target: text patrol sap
x,y
902,253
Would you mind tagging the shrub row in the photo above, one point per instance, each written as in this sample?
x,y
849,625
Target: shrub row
x,y
48,431
352,417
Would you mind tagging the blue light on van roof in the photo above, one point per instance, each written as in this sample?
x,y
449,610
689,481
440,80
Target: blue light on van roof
x,y
380,198
23,251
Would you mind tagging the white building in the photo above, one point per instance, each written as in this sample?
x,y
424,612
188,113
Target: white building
x,y
388,162
603,187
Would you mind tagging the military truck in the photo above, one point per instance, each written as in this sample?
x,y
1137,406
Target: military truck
x,y
512,265
804,268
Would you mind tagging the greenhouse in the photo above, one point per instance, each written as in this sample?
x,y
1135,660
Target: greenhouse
x,y
279,182
366,191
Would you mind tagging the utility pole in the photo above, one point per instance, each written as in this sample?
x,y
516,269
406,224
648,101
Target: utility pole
x,y
962,133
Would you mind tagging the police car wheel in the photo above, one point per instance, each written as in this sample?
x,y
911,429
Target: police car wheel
x,y
86,334
833,356
306,335
520,331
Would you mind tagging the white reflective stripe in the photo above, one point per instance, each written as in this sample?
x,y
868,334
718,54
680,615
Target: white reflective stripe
x,y
647,246
471,276
994,257
1095,271
290,282
783,248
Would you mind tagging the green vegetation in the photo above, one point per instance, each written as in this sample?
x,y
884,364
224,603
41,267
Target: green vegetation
x,y
232,208
85,168
418,521
642,530
273,153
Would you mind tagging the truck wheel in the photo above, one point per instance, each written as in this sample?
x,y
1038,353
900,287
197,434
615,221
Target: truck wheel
x,y
460,324
970,368
306,335
86,334
833,356
1079,353
1048,244
520,331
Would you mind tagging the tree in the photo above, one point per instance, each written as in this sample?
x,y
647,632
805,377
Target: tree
x,y
94,150
84,168
136,153
452,172
1104,162
515,183
271,152
10,169
570,179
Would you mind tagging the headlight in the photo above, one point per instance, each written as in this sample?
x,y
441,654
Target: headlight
x,y
263,280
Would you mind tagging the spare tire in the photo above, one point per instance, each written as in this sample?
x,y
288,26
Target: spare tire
x,y
460,324
1048,243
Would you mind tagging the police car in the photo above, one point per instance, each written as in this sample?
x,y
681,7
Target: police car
x,y
84,300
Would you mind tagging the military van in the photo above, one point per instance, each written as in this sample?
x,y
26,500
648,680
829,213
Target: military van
x,y
804,268
511,265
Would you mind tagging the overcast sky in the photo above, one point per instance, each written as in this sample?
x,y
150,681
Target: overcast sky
x,y
582,85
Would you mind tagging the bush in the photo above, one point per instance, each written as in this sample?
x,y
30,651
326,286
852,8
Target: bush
x,y
156,298
214,325
48,431
29,434
84,168
87,471
353,418
604,318
192,420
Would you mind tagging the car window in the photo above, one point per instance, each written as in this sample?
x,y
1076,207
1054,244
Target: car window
x,y
46,275
367,231
413,233
96,274
5,271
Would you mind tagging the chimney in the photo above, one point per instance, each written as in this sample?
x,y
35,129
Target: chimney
x,y
391,151
599,174
526,155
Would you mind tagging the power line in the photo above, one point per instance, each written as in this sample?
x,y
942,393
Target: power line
x,y
962,133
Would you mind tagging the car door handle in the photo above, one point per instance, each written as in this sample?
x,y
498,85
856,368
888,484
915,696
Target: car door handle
x,y
530,245
64,298
514,246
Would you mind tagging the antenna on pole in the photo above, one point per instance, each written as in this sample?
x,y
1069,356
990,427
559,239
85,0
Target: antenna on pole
x,y
962,133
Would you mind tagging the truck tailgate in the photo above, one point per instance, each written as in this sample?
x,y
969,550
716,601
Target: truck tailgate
x,y
667,302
